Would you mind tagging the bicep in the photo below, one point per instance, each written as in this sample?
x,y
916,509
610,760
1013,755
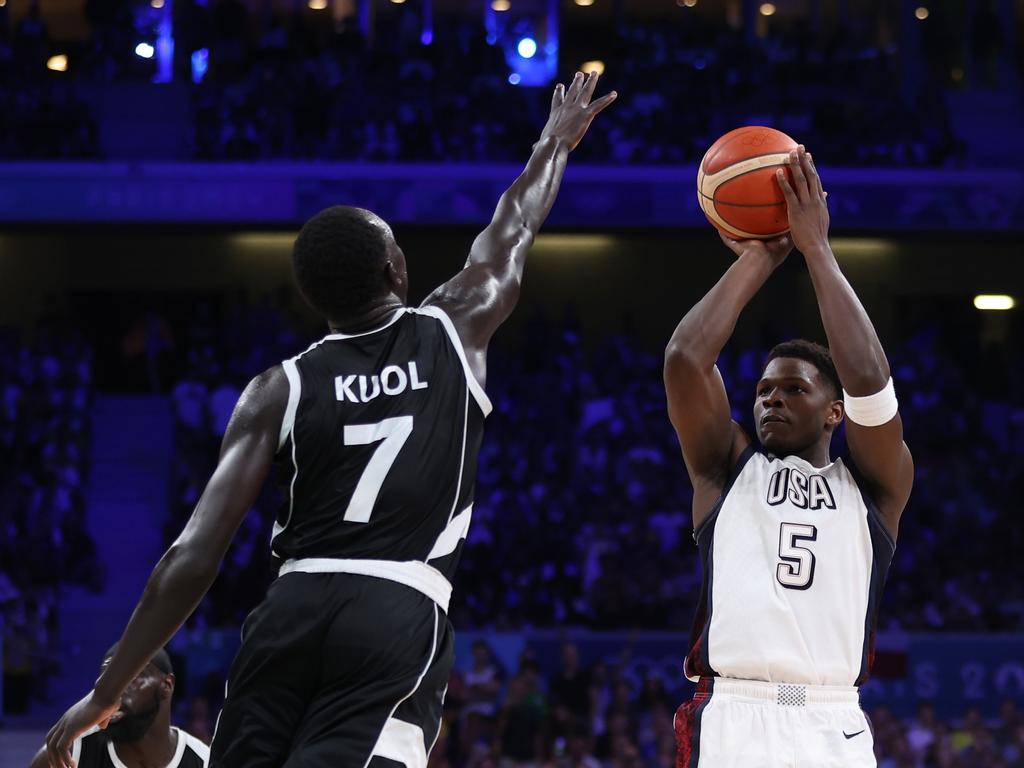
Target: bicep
x,y
246,456
482,295
884,460
698,408
478,300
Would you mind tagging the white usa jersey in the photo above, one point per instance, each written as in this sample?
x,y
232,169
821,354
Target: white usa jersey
x,y
794,559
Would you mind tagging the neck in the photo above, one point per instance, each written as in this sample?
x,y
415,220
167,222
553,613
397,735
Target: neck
x,y
368,317
816,455
155,749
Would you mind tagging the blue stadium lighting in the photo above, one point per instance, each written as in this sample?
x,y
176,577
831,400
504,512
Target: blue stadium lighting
x,y
145,50
427,36
514,78
200,63
527,47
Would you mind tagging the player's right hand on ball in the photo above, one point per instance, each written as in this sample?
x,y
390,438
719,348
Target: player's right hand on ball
x,y
774,251
572,109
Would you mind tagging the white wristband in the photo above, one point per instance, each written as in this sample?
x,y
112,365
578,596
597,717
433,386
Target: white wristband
x,y
872,410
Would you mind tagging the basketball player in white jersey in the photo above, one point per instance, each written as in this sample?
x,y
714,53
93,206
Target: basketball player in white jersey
x,y
794,545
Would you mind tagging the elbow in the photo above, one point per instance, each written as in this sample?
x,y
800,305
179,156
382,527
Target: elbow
x,y
680,355
185,562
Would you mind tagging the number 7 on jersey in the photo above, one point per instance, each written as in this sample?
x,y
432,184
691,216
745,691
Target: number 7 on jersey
x,y
394,432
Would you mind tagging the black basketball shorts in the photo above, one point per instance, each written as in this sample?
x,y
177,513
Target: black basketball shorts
x,y
336,670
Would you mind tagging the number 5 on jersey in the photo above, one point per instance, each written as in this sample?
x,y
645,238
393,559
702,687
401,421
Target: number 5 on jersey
x,y
394,432
796,571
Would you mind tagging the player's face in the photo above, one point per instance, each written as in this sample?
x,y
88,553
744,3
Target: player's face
x,y
792,407
140,704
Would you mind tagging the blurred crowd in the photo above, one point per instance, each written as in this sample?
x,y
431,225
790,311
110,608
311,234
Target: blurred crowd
x,y
595,465
45,401
302,87
578,715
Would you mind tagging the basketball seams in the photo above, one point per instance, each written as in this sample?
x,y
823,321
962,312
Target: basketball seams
x,y
740,132
736,164
716,218
745,166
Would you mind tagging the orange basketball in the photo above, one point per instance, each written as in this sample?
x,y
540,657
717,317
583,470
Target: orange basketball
x,y
736,184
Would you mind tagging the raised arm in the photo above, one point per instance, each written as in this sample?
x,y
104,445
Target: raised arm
x,y
480,297
878,451
697,402
188,568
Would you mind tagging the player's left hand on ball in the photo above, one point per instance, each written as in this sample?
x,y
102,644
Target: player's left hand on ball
x,y
805,201
82,716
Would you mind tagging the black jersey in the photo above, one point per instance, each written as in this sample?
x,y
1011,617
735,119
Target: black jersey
x,y
95,750
379,445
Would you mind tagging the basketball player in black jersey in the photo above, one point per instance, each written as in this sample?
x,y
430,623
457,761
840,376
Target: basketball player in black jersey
x,y
375,430
139,734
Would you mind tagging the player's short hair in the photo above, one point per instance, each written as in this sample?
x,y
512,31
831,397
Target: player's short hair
x,y
816,355
339,260
161,659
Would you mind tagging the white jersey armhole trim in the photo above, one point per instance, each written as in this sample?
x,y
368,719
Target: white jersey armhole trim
x,y
474,385
76,745
291,371
197,746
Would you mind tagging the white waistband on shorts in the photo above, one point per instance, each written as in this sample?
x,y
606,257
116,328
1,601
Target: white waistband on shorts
x,y
412,573
786,694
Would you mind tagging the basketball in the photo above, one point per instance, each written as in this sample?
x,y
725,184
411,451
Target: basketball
x,y
736,185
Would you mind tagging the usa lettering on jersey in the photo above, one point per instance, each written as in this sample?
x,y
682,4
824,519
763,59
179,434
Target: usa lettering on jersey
x,y
802,491
392,381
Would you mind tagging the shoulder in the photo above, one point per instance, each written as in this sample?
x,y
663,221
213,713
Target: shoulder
x,y
266,392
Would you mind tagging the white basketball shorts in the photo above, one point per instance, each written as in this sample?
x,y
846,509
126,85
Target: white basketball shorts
x,y
747,724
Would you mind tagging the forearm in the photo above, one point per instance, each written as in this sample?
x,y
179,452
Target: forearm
x,y
707,327
174,589
858,354
525,205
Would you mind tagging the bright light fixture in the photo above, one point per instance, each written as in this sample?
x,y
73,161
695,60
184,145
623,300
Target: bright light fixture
x,y
592,66
584,3
767,9
500,5
527,47
58,63
158,4
921,13
317,5
145,50
994,302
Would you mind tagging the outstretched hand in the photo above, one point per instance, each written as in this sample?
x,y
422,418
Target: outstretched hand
x,y
572,109
774,251
805,202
